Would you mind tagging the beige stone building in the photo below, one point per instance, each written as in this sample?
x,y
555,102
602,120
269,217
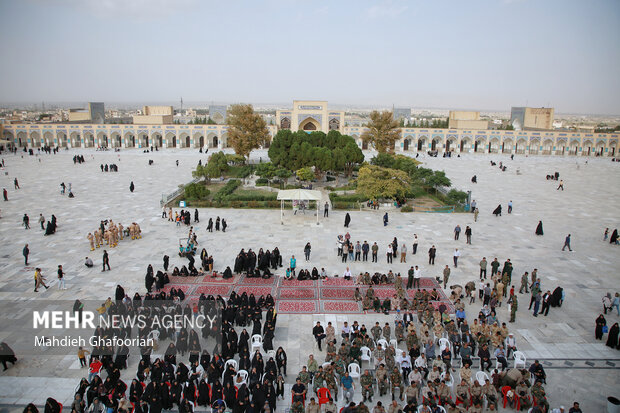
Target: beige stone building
x,y
94,113
461,119
310,115
155,115
524,118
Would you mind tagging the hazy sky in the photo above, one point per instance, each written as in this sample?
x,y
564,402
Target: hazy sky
x,y
486,55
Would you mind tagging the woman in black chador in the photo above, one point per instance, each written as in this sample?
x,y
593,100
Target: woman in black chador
x,y
539,228
498,211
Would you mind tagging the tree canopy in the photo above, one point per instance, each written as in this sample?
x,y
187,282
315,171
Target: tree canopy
x,y
331,152
383,131
215,167
247,129
378,182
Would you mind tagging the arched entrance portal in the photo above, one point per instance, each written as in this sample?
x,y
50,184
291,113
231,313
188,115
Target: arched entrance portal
x,y
421,143
309,124
406,144
76,140
464,146
22,139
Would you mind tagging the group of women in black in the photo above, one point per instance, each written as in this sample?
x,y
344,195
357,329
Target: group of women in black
x,y
257,265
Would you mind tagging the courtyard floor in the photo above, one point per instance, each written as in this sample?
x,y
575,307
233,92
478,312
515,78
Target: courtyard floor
x,y
579,367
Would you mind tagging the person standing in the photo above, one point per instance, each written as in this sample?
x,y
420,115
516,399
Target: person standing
x,y
42,221
358,251
473,206
539,228
567,243
446,276
468,234
365,249
375,250
132,186
196,217
476,213
417,274
537,300
385,219
457,232
415,244
388,253
403,253
432,252
546,303
455,257
25,253
514,306
293,265
326,210
510,206
26,221
106,260
5,194
561,185
598,330
307,249
410,278
483,267
15,183
61,278
347,220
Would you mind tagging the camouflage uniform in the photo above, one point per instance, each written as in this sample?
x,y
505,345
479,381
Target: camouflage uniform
x,y
382,384
376,332
397,381
387,332
366,383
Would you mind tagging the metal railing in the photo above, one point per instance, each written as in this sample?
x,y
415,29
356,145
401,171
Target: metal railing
x,y
165,198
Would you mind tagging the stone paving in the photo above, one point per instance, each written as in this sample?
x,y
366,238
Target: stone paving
x,y
588,204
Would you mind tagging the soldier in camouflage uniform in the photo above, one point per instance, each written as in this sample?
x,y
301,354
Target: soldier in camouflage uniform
x,y
376,331
387,332
397,381
362,408
331,351
343,353
389,357
304,376
330,382
412,339
297,407
379,355
400,332
319,380
538,393
368,342
355,355
381,374
366,382
514,306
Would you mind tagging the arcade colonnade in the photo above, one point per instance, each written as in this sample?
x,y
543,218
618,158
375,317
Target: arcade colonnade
x,y
215,137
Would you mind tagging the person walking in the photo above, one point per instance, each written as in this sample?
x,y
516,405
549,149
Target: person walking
x,y
347,220
42,221
61,278
326,210
567,243
5,194
132,186
385,219
15,183
455,257
196,217
510,206
414,250
514,306
26,221
446,276
307,250
476,213
106,260
432,252
457,232
25,253
468,234
561,185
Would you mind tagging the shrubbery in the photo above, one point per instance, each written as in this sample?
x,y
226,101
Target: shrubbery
x,y
406,208
227,189
196,191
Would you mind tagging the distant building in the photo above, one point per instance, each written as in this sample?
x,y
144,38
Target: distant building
x,y
155,115
94,113
218,114
462,119
524,118
402,113
310,115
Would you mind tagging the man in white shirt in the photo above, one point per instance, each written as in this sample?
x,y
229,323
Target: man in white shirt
x,y
404,361
417,274
511,344
415,244
456,256
347,274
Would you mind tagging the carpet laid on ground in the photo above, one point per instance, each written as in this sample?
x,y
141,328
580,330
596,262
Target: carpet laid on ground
x,y
329,296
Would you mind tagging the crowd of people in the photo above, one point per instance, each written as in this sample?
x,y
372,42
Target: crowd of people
x,y
110,233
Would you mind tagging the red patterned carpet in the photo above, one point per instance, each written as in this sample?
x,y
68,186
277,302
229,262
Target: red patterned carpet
x,y
333,295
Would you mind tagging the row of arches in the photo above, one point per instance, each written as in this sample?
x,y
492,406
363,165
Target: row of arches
x,y
114,139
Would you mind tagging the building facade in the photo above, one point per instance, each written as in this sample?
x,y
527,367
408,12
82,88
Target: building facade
x,y
310,115
215,136
460,119
524,118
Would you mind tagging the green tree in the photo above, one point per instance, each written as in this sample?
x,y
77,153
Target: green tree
x,y
247,129
437,180
265,170
382,131
196,191
378,182
305,174
214,168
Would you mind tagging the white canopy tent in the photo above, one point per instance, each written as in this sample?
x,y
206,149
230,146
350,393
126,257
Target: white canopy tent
x,y
299,195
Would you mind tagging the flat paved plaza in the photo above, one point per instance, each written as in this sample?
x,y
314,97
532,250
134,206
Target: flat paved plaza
x,y
578,366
